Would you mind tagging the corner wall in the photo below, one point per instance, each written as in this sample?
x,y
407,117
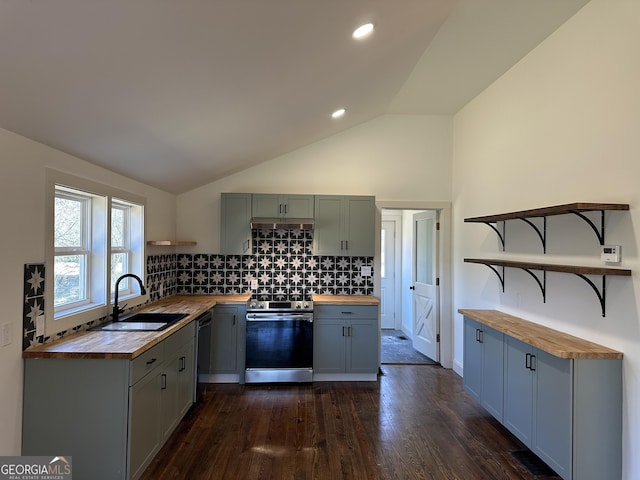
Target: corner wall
x,y
559,127
22,210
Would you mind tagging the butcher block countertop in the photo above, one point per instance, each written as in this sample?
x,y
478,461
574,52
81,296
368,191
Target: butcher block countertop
x,y
556,343
129,345
345,300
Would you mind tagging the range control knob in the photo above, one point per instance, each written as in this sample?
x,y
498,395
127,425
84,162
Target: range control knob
x,y
305,305
253,305
298,306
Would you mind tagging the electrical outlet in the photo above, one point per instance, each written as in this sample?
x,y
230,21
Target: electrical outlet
x,y
365,271
6,335
254,284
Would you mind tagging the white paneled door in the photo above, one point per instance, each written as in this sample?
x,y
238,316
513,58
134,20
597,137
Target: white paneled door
x,y
425,284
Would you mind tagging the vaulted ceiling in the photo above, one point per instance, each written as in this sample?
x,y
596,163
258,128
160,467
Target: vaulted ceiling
x,y
179,93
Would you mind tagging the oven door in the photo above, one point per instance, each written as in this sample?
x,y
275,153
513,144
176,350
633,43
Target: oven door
x,y
279,347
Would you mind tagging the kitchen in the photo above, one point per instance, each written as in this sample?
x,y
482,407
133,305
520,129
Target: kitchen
x,y
467,159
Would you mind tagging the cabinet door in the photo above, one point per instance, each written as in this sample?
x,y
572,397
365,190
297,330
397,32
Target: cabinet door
x,y
169,397
235,218
329,346
186,378
328,234
145,436
492,371
472,358
363,339
518,390
266,205
552,417
359,232
298,206
224,331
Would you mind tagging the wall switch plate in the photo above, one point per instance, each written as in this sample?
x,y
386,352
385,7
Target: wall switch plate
x,y
254,284
5,335
610,253
40,326
365,271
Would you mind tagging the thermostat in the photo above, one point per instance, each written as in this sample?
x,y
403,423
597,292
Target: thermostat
x,y
610,253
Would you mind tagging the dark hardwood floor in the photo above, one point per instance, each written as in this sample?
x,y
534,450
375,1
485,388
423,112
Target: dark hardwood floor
x,y
415,422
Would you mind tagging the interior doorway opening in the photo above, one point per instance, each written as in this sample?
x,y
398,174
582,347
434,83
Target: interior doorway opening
x,y
404,247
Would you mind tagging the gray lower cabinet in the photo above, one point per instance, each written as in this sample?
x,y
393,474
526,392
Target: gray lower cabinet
x,y
344,225
566,410
346,339
235,223
227,344
483,354
111,416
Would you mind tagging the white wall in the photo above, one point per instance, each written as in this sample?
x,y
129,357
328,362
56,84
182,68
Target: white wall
x,y
394,157
22,210
561,126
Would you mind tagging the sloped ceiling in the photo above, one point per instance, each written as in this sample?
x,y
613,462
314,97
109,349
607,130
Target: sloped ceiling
x,y
179,93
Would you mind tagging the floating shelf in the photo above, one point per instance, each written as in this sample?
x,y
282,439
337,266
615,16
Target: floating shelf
x,y
580,271
169,243
578,208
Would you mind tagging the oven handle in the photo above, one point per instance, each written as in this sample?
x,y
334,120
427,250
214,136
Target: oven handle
x,y
278,317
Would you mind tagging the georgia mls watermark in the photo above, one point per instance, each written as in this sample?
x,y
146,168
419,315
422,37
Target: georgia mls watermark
x,y
35,468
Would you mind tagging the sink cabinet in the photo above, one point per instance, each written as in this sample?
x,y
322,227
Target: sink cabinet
x,y
111,415
346,342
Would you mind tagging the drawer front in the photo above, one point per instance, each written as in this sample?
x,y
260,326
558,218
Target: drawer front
x,y
346,312
146,362
178,339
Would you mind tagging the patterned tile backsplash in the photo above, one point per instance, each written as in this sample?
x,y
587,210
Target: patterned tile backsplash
x,y
282,264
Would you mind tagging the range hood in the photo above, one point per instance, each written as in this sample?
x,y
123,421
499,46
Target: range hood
x,y
273,223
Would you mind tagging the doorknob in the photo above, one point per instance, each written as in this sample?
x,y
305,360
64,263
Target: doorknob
x,y
412,287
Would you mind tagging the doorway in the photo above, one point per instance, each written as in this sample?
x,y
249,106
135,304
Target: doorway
x,y
415,255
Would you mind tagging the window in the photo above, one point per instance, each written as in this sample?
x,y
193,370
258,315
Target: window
x,y
96,234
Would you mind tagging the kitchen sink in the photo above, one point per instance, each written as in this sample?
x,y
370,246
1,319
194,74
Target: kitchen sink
x,y
141,322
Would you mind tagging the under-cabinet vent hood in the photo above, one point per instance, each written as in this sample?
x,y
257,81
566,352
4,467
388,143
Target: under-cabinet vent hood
x,y
262,223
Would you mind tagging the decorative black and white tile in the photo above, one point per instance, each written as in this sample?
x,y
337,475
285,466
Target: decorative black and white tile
x,y
282,266
33,310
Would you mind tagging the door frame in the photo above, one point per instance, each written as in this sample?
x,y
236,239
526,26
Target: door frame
x,y
444,259
396,218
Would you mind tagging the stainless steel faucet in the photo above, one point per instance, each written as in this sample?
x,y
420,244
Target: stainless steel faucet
x,y
117,311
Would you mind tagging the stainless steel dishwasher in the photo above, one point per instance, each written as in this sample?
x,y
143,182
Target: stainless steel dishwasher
x,y
203,353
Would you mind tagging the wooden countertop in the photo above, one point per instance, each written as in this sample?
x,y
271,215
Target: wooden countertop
x,y
556,343
345,300
129,345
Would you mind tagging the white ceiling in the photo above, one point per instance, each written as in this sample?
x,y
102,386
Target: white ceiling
x,y
179,93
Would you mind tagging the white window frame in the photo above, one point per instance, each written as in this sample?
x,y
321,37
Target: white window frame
x,y
100,299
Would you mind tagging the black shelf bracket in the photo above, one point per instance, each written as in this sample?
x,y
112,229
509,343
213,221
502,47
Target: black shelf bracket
x,y
601,293
541,234
500,276
600,233
541,283
501,235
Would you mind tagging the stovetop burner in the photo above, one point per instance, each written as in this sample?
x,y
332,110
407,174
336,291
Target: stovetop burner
x,y
279,306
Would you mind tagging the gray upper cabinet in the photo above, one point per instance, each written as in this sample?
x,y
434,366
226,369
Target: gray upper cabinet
x,y
344,225
235,219
282,206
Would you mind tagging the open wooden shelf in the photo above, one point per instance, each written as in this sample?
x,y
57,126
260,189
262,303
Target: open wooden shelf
x,y
579,270
577,208
169,243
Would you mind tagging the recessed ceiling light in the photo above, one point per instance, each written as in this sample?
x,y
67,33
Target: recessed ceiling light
x,y
338,113
363,31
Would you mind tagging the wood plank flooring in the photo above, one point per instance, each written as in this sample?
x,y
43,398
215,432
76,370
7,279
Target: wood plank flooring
x,y
415,422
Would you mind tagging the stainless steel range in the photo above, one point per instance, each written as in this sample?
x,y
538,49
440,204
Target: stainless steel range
x,y
279,341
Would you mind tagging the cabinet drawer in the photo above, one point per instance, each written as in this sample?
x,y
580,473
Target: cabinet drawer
x,y
346,312
146,362
178,339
